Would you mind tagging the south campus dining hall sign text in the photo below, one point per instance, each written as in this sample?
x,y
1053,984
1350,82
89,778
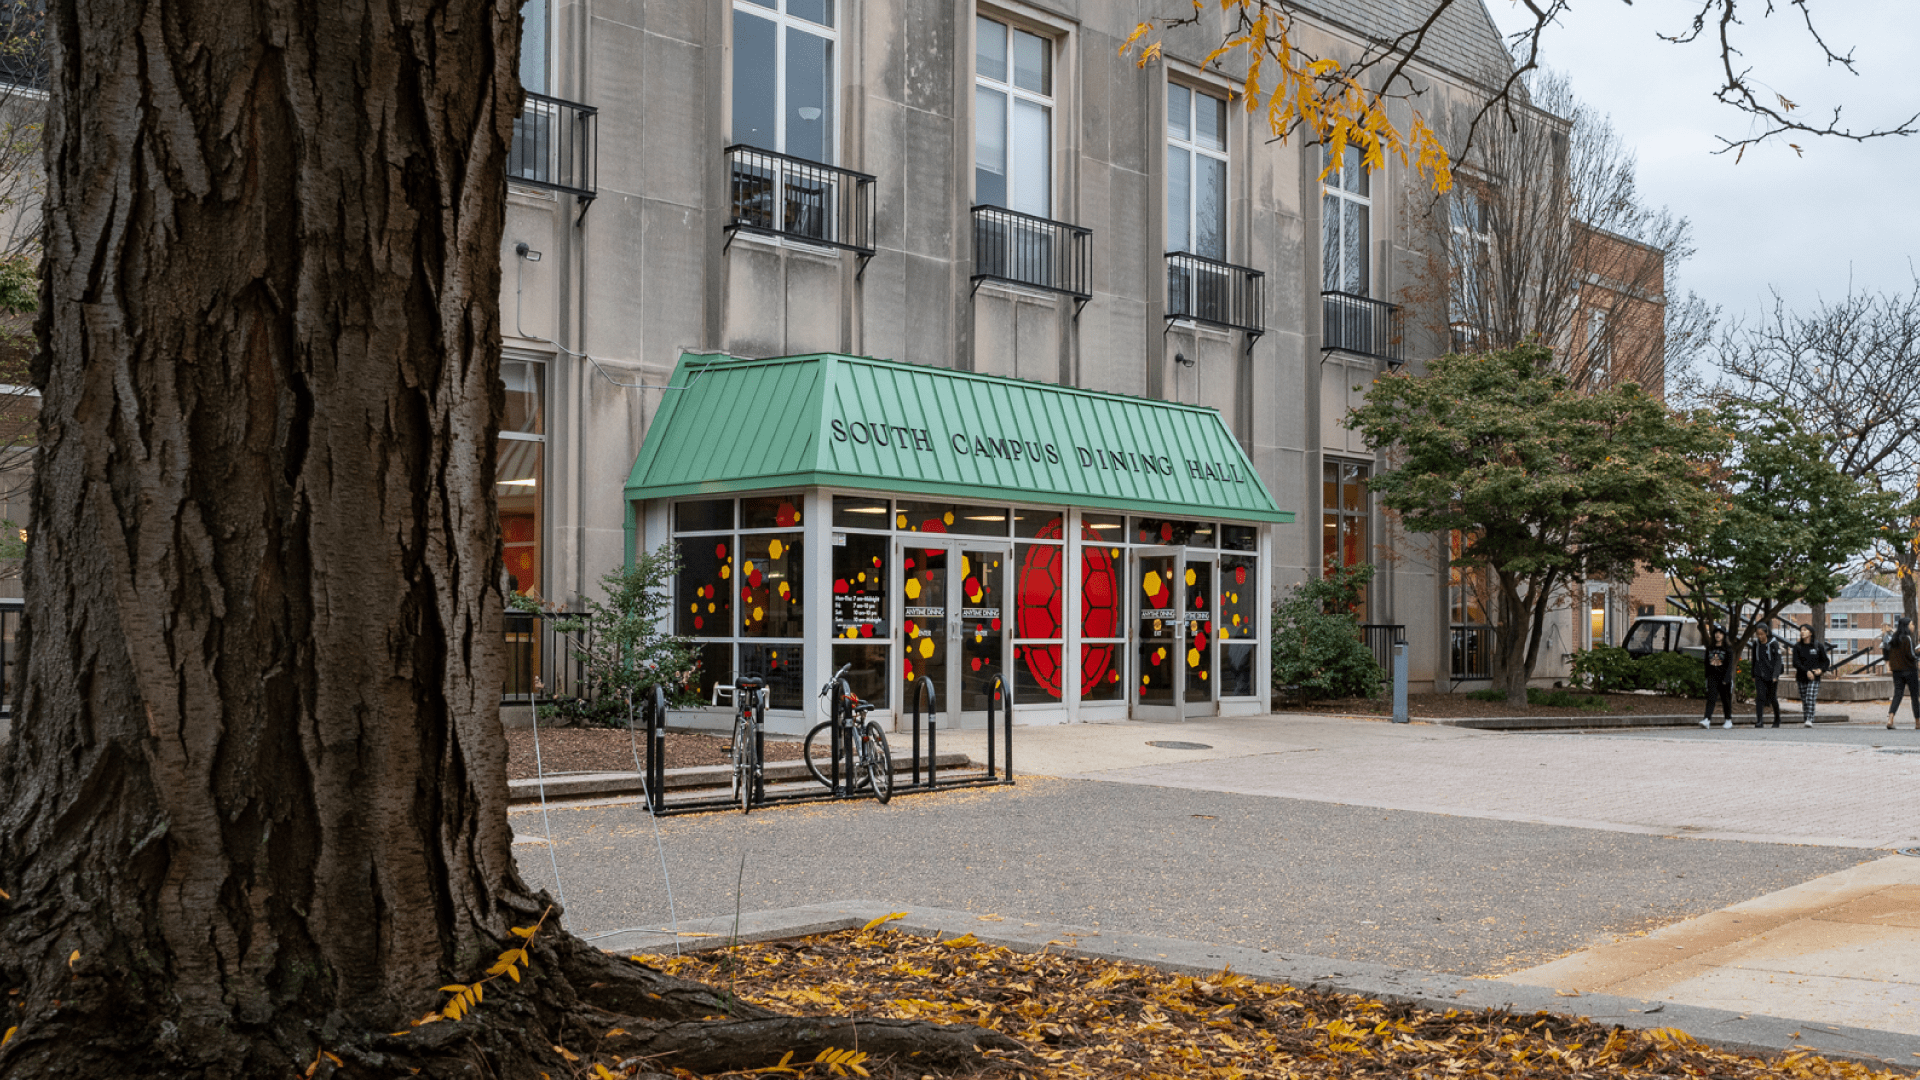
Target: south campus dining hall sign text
x,y
921,440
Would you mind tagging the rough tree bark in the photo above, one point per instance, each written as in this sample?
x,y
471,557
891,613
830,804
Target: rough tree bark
x,y
254,800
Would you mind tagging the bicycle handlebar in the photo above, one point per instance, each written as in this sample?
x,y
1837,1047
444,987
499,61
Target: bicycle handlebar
x,y
828,689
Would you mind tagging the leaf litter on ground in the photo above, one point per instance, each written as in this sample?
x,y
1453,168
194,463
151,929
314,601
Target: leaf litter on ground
x,y
1096,1018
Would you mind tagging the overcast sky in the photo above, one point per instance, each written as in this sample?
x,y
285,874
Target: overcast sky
x,y
1802,225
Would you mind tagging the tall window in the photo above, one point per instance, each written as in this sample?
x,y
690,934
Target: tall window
x,y
1467,608
783,76
1346,203
740,591
1343,517
1472,245
518,476
1599,348
533,45
1196,173
1012,119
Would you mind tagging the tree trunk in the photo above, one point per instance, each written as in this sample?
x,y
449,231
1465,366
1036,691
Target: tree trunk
x,y
258,769
1510,640
254,803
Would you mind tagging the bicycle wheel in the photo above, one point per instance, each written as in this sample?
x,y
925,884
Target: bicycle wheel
x,y
817,750
743,763
876,760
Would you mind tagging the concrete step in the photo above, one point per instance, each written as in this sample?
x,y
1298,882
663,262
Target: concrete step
x,y
1849,688
600,785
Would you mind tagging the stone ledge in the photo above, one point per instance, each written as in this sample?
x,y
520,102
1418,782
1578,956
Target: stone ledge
x,y
1431,990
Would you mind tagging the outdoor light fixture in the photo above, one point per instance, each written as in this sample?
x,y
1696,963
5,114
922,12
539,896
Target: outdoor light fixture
x,y
521,249
1181,359
1394,364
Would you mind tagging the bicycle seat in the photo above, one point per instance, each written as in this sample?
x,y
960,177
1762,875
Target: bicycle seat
x,y
750,682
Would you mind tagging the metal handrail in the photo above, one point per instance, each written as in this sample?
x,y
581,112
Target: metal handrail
x,y
1215,293
1465,661
780,195
1362,326
555,146
1025,249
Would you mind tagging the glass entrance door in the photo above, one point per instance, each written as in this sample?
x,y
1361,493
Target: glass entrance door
x,y
953,627
1201,685
1158,607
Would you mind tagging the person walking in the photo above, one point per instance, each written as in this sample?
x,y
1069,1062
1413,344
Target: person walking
x,y
1903,663
1810,661
1719,662
1768,665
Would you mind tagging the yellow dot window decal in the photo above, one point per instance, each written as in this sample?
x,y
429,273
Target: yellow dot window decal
x,y
774,549
1193,657
1191,576
913,588
926,648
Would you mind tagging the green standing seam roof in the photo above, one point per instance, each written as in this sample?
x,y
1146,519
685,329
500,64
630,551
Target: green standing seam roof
x,y
732,425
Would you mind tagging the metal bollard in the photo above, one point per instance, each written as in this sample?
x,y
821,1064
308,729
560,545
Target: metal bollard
x,y
1400,683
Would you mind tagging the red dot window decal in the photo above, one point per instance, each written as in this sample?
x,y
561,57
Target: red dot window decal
x,y
1239,575
755,578
720,551
840,587
866,630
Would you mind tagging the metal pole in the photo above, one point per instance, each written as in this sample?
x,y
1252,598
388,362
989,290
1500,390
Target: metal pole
x,y
1400,683
1000,689
834,709
759,780
657,750
991,771
915,691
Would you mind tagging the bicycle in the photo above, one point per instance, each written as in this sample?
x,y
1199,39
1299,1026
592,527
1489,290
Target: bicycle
x,y
749,713
872,760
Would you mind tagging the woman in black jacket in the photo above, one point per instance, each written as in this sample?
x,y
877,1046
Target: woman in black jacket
x,y
1903,663
1768,666
1719,661
1810,661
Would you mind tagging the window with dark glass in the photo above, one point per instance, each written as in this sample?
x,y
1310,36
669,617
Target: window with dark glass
x,y
784,76
1102,614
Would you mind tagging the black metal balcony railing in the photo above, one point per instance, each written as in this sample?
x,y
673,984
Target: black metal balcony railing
x,y
788,196
535,650
1214,292
555,146
1361,325
1380,639
1471,649
1026,250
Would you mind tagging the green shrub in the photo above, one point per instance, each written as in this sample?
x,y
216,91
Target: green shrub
x,y
1316,639
1489,694
1673,673
1608,669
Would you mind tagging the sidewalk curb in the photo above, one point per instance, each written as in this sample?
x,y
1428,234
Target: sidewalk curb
x,y
1431,990
580,785
1587,723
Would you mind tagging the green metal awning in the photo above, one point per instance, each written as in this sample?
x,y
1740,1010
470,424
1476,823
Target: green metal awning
x,y
731,425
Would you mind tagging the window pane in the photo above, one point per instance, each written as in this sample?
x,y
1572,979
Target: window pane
x,y
1032,62
1030,149
1039,524
1179,106
867,676
716,666
990,49
1236,671
1157,531
1179,199
1209,122
1330,243
1355,173
780,664
518,491
771,512
860,589
989,147
1239,537
1239,588
1354,275
1037,674
1111,528
755,98
855,512
926,517
1100,569
979,521
1039,593
1100,676
1202,535
533,45
809,96
1210,215
983,611
525,382
705,588
814,11
771,575
705,515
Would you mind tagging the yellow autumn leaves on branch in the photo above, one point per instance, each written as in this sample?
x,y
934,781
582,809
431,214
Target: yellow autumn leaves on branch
x,y
1298,90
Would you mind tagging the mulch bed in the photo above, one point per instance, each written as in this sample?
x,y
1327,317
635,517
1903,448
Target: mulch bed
x,y
569,750
1095,1018
1457,706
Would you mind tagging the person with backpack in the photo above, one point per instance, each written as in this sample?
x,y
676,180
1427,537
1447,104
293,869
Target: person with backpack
x,y
1719,662
1768,665
1811,660
1903,663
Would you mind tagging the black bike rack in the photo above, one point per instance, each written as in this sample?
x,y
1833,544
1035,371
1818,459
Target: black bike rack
x,y
923,702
